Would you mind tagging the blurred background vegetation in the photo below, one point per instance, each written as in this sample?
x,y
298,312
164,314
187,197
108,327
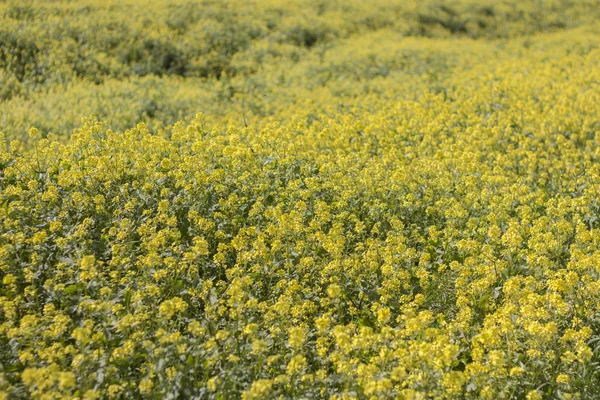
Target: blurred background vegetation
x,y
238,61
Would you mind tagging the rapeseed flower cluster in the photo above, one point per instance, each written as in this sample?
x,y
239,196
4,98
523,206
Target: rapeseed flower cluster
x,y
396,219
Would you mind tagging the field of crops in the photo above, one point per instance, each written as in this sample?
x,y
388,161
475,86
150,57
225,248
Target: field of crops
x,y
307,199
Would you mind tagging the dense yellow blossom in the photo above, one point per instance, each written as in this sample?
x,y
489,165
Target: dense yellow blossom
x,y
299,199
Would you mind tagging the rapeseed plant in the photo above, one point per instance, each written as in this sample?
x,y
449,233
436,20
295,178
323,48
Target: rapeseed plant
x,y
395,200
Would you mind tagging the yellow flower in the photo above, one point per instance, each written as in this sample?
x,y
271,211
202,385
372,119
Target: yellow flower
x,y
145,386
259,389
334,291
9,279
66,380
296,364
383,315
534,395
250,329
297,337
169,308
34,134
259,346
323,323
212,384
91,395
87,262
196,329
516,371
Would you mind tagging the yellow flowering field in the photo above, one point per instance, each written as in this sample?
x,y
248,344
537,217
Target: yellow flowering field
x,y
276,199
